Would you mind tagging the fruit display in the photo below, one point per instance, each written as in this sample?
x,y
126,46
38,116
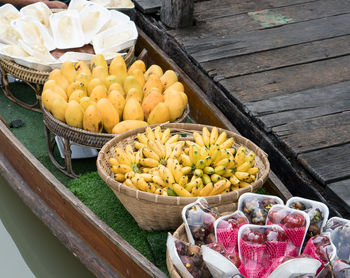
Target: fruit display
x,y
340,237
256,206
112,98
199,221
165,164
333,223
317,211
294,222
338,268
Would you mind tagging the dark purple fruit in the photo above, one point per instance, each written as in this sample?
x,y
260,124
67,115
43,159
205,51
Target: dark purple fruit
x,y
258,216
210,238
298,205
218,247
193,250
268,203
187,262
313,230
181,247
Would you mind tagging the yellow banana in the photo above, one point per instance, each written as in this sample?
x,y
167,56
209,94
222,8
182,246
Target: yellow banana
x,y
250,156
206,136
253,170
165,136
206,189
113,161
158,133
243,184
148,153
207,161
168,150
121,169
189,186
130,153
215,177
242,176
220,170
206,179
240,156
223,162
150,187
196,191
142,138
142,184
245,166
231,150
198,139
119,177
138,156
231,164
121,156
208,170
228,173
198,172
158,180
214,135
177,173
173,139
138,145
128,182
158,191
185,160
183,180
250,179
150,134
218,187
130,175
235,181
154,147
169,179
200,164
178,149
147,177
149,162
186,170
221,139
194,154
180,191
227,144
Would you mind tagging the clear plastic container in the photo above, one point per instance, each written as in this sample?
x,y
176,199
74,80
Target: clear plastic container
x,y
116,39
340,237
92,18
294,222
33,33
199,221
116,19
67,30
334,222
40,11
256,206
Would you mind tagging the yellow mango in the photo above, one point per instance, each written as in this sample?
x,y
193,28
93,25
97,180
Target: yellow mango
x,y
135,93
74,114
52,85
84,79
170,95
93,83
118,69
69,71
82,67
111,79
175,103
118,101
153,82
76,85
61,81
168,78
85,102
49,84
117,87
150,101
133,110
98,92
77,95
138,74
110,116
159,114
98,60
127,125
138,64
131,82
154,69
101,73
59,107
92,120
177,86
48,97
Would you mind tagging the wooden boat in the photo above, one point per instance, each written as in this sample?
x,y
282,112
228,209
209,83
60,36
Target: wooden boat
x,y
98,247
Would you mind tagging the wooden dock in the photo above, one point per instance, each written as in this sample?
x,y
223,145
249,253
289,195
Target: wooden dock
x,y
280,71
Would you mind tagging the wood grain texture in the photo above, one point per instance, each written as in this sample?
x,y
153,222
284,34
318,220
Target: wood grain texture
x,y
328,165
277,111
342,190
148,6
177,13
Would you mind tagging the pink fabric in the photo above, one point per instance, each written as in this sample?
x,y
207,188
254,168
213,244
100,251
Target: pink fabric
x,y
228,238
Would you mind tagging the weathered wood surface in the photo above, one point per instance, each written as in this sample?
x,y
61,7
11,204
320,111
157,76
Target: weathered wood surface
x,y
282,79
148,6
341,189
177,13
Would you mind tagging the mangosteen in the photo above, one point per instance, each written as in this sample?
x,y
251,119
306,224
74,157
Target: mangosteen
x,y
204,271
258,216
218,247
313,230
181,247
198,233
298,205
193,250
210,238
187,262
267,203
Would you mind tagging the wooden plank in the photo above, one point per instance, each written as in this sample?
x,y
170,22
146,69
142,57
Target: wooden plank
x,y
148,6
245,22
316,133
342,190
219,47
328,165
222,8
278,58
264,85
307,104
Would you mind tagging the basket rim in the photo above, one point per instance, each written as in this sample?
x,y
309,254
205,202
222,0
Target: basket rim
x,y
120,188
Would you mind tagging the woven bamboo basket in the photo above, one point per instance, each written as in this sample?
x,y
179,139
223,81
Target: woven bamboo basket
x,y
155,212
40,77
83,137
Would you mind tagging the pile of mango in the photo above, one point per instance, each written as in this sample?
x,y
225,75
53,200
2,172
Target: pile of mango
x,y
112,97
163,164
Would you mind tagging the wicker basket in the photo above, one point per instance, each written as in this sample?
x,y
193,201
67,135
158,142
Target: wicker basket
x,y
155,212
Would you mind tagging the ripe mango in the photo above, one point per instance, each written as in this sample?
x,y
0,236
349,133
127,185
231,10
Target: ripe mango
x,y
93,83
77,95
117,87
150,101
177,86
111,79
98,60
48,97
98,92
118,101
135,93
168,78
76,85
127,125
59,107
133,110
131,82
153,82
118,69
154,69
69,71
52,85
110,116
84,79
101,73
174,101
138,64
92,120
61,81
82,67
74,114
85,102
159,114
138,74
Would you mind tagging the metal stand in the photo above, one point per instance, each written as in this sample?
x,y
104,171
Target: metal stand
x,y
10,96
67,168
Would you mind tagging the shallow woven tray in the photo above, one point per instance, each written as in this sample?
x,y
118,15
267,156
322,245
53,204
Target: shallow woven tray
x,y
81,136
40,77
155,212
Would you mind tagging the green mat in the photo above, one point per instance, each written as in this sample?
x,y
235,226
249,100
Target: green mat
x,y
89,188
